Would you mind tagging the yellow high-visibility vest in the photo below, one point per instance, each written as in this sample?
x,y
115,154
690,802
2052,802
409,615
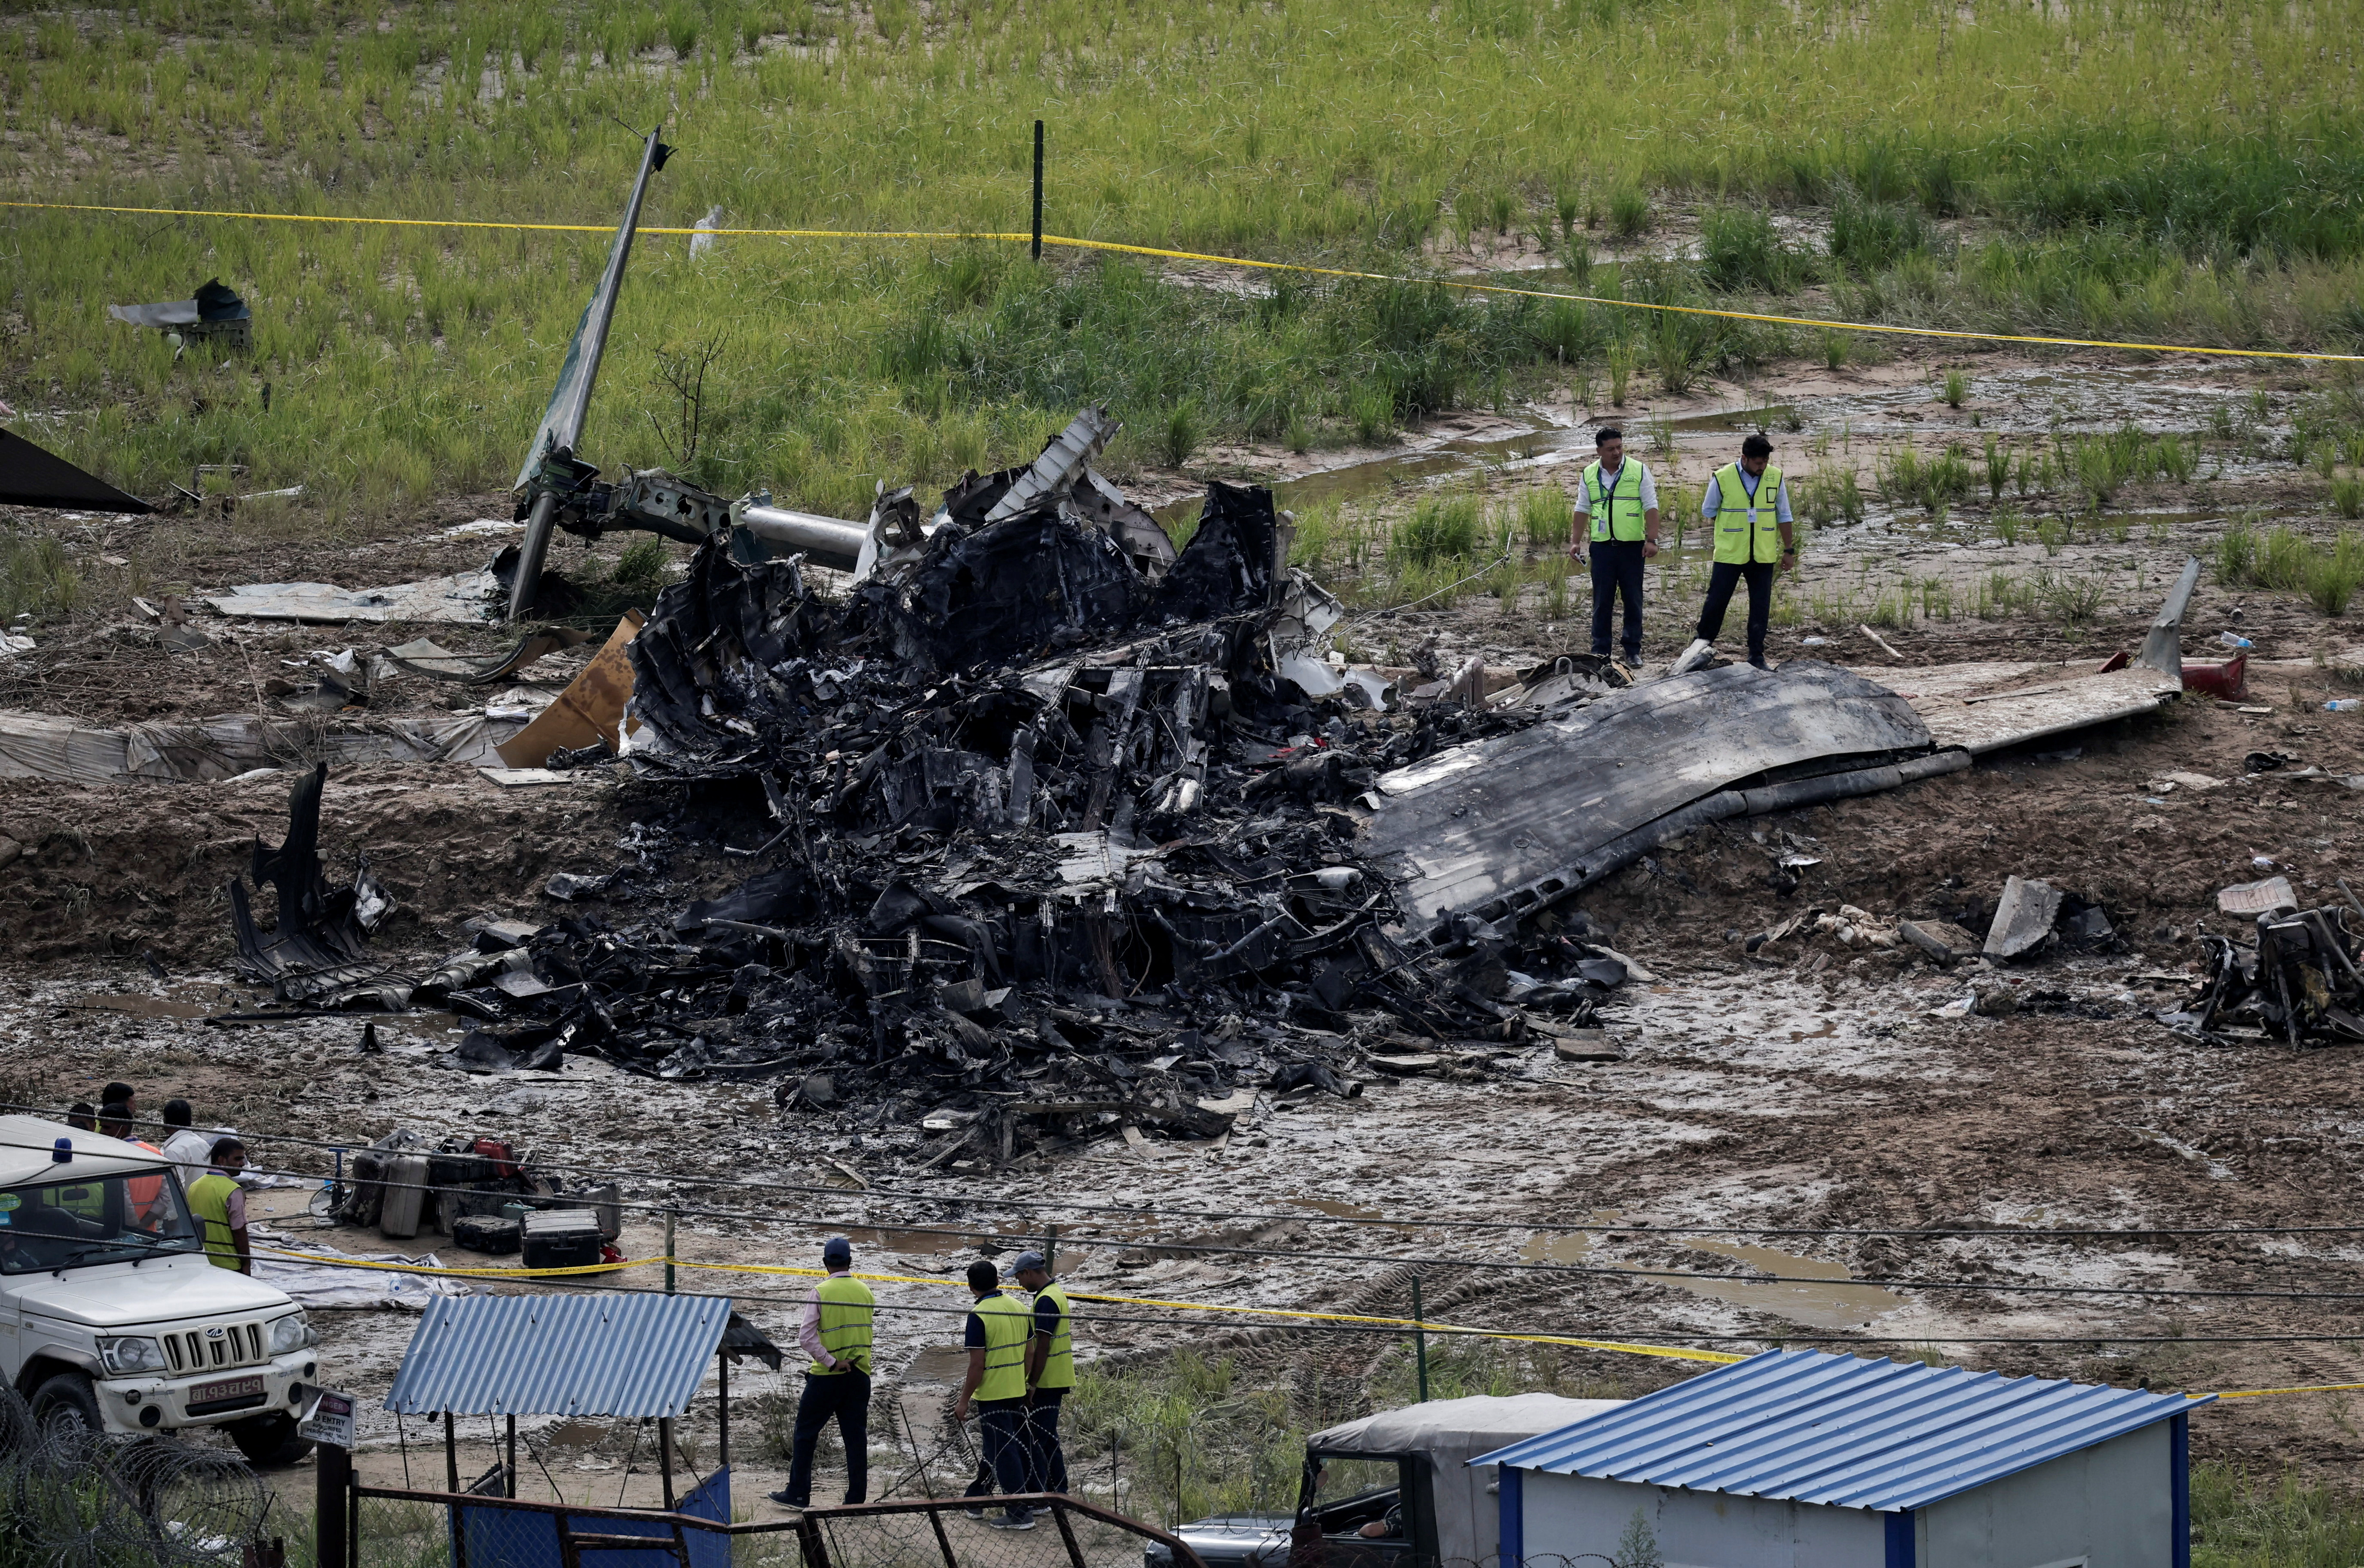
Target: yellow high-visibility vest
x,y
1059,1367
209,1197
1008,1324
1747,527
846,1309
1615,508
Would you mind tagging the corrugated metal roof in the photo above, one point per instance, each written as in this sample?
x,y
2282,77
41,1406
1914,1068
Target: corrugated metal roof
x,y
601,1354
1818,1428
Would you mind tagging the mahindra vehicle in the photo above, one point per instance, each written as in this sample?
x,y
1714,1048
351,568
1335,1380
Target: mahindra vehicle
x,y
111,1315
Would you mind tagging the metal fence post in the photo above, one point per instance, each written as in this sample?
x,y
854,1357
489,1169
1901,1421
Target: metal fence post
x,y
668,1246
1418,1339
1038,190
331,1507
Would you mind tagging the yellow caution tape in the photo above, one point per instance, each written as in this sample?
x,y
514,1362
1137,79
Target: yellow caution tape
x,y
1070,242
1668,1353
2309,1388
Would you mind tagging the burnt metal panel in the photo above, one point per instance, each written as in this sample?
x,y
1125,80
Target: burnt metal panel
x,y
34,476
1526,812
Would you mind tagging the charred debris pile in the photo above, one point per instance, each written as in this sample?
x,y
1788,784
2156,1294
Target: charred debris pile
x,y
1039,839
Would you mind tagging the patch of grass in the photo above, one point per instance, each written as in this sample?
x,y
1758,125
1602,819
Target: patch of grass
x,y
1828,496
2072,598
1629,212
1179,434
37,578
2241,1520
1956,389
1998,467
2347,495
1442,528
1547,518
1740,249
1870,236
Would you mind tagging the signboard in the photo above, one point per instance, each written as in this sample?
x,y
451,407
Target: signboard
x,y
331,1420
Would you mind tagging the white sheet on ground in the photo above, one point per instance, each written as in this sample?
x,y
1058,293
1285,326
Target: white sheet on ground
x,y
46,746
468,598
326,1285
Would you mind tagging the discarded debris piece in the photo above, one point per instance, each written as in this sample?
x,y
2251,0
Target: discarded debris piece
x,y
466,599
589,711
1586,1045
317,931
1505,827
214,312
2301,983
1948,944
2260,897
33,476
2023,918
422,656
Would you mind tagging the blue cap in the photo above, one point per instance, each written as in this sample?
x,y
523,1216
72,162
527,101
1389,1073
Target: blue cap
x,y
837,1250
1025,1261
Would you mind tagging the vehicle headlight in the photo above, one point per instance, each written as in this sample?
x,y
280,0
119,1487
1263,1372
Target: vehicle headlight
x,y
123,1357
292,1332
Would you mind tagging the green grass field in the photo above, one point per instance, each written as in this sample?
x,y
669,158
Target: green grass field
x,y
2166,169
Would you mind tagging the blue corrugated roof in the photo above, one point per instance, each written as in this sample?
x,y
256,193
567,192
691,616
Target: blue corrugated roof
x,y
1818,1428
601,1354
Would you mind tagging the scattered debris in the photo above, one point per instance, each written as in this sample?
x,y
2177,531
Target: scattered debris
x,y
33,476
2300,983
215,312
2024,918
2261,897
589,713
467,598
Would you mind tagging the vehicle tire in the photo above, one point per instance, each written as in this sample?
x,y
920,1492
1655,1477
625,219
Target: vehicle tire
x,y
65,1411
269,1439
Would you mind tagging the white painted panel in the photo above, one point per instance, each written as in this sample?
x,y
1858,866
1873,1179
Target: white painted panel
x,y
2111,1506
1566,1515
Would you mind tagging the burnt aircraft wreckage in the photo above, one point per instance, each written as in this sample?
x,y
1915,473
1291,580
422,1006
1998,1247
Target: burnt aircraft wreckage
x,y
1029,826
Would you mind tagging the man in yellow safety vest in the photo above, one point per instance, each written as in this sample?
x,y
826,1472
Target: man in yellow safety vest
x,y
836,1333
1747,509
219,1204
1617,527
1050,1372
999,1328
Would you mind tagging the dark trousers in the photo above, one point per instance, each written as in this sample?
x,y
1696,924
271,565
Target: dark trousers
x,y
1617,570
1046,1461
1005,1465
1720,580
847,1396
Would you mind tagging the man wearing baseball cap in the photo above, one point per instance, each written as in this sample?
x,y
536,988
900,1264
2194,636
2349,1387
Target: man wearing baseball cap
x,y
1050,1372
998,1331
836,1333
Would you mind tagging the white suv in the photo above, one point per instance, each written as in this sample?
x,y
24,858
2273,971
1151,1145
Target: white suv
x,y
111,1316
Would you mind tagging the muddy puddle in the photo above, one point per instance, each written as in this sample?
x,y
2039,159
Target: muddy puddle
x,y
138,1007
1826,1298
1835,421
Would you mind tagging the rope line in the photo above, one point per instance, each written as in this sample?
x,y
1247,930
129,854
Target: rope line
x,y
1210,258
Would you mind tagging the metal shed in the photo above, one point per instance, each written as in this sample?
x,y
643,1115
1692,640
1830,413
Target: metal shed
x,y
1801,1459
602,1354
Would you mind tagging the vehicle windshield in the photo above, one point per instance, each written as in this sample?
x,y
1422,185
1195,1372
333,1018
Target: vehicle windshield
x,y
99,1220
1338,1479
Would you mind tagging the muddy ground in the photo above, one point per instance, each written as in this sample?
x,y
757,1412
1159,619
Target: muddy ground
x,y
1808,1088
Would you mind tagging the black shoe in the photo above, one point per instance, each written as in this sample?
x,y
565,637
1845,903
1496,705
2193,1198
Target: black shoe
x,y
975,1513
1756,662
786,1501
1013,1520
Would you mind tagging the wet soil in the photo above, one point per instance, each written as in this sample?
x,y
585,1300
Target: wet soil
x,y
1809,1087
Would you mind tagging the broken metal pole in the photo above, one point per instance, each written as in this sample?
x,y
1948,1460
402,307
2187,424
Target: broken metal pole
x,y
2163,648
1038,190
562,423
830,541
